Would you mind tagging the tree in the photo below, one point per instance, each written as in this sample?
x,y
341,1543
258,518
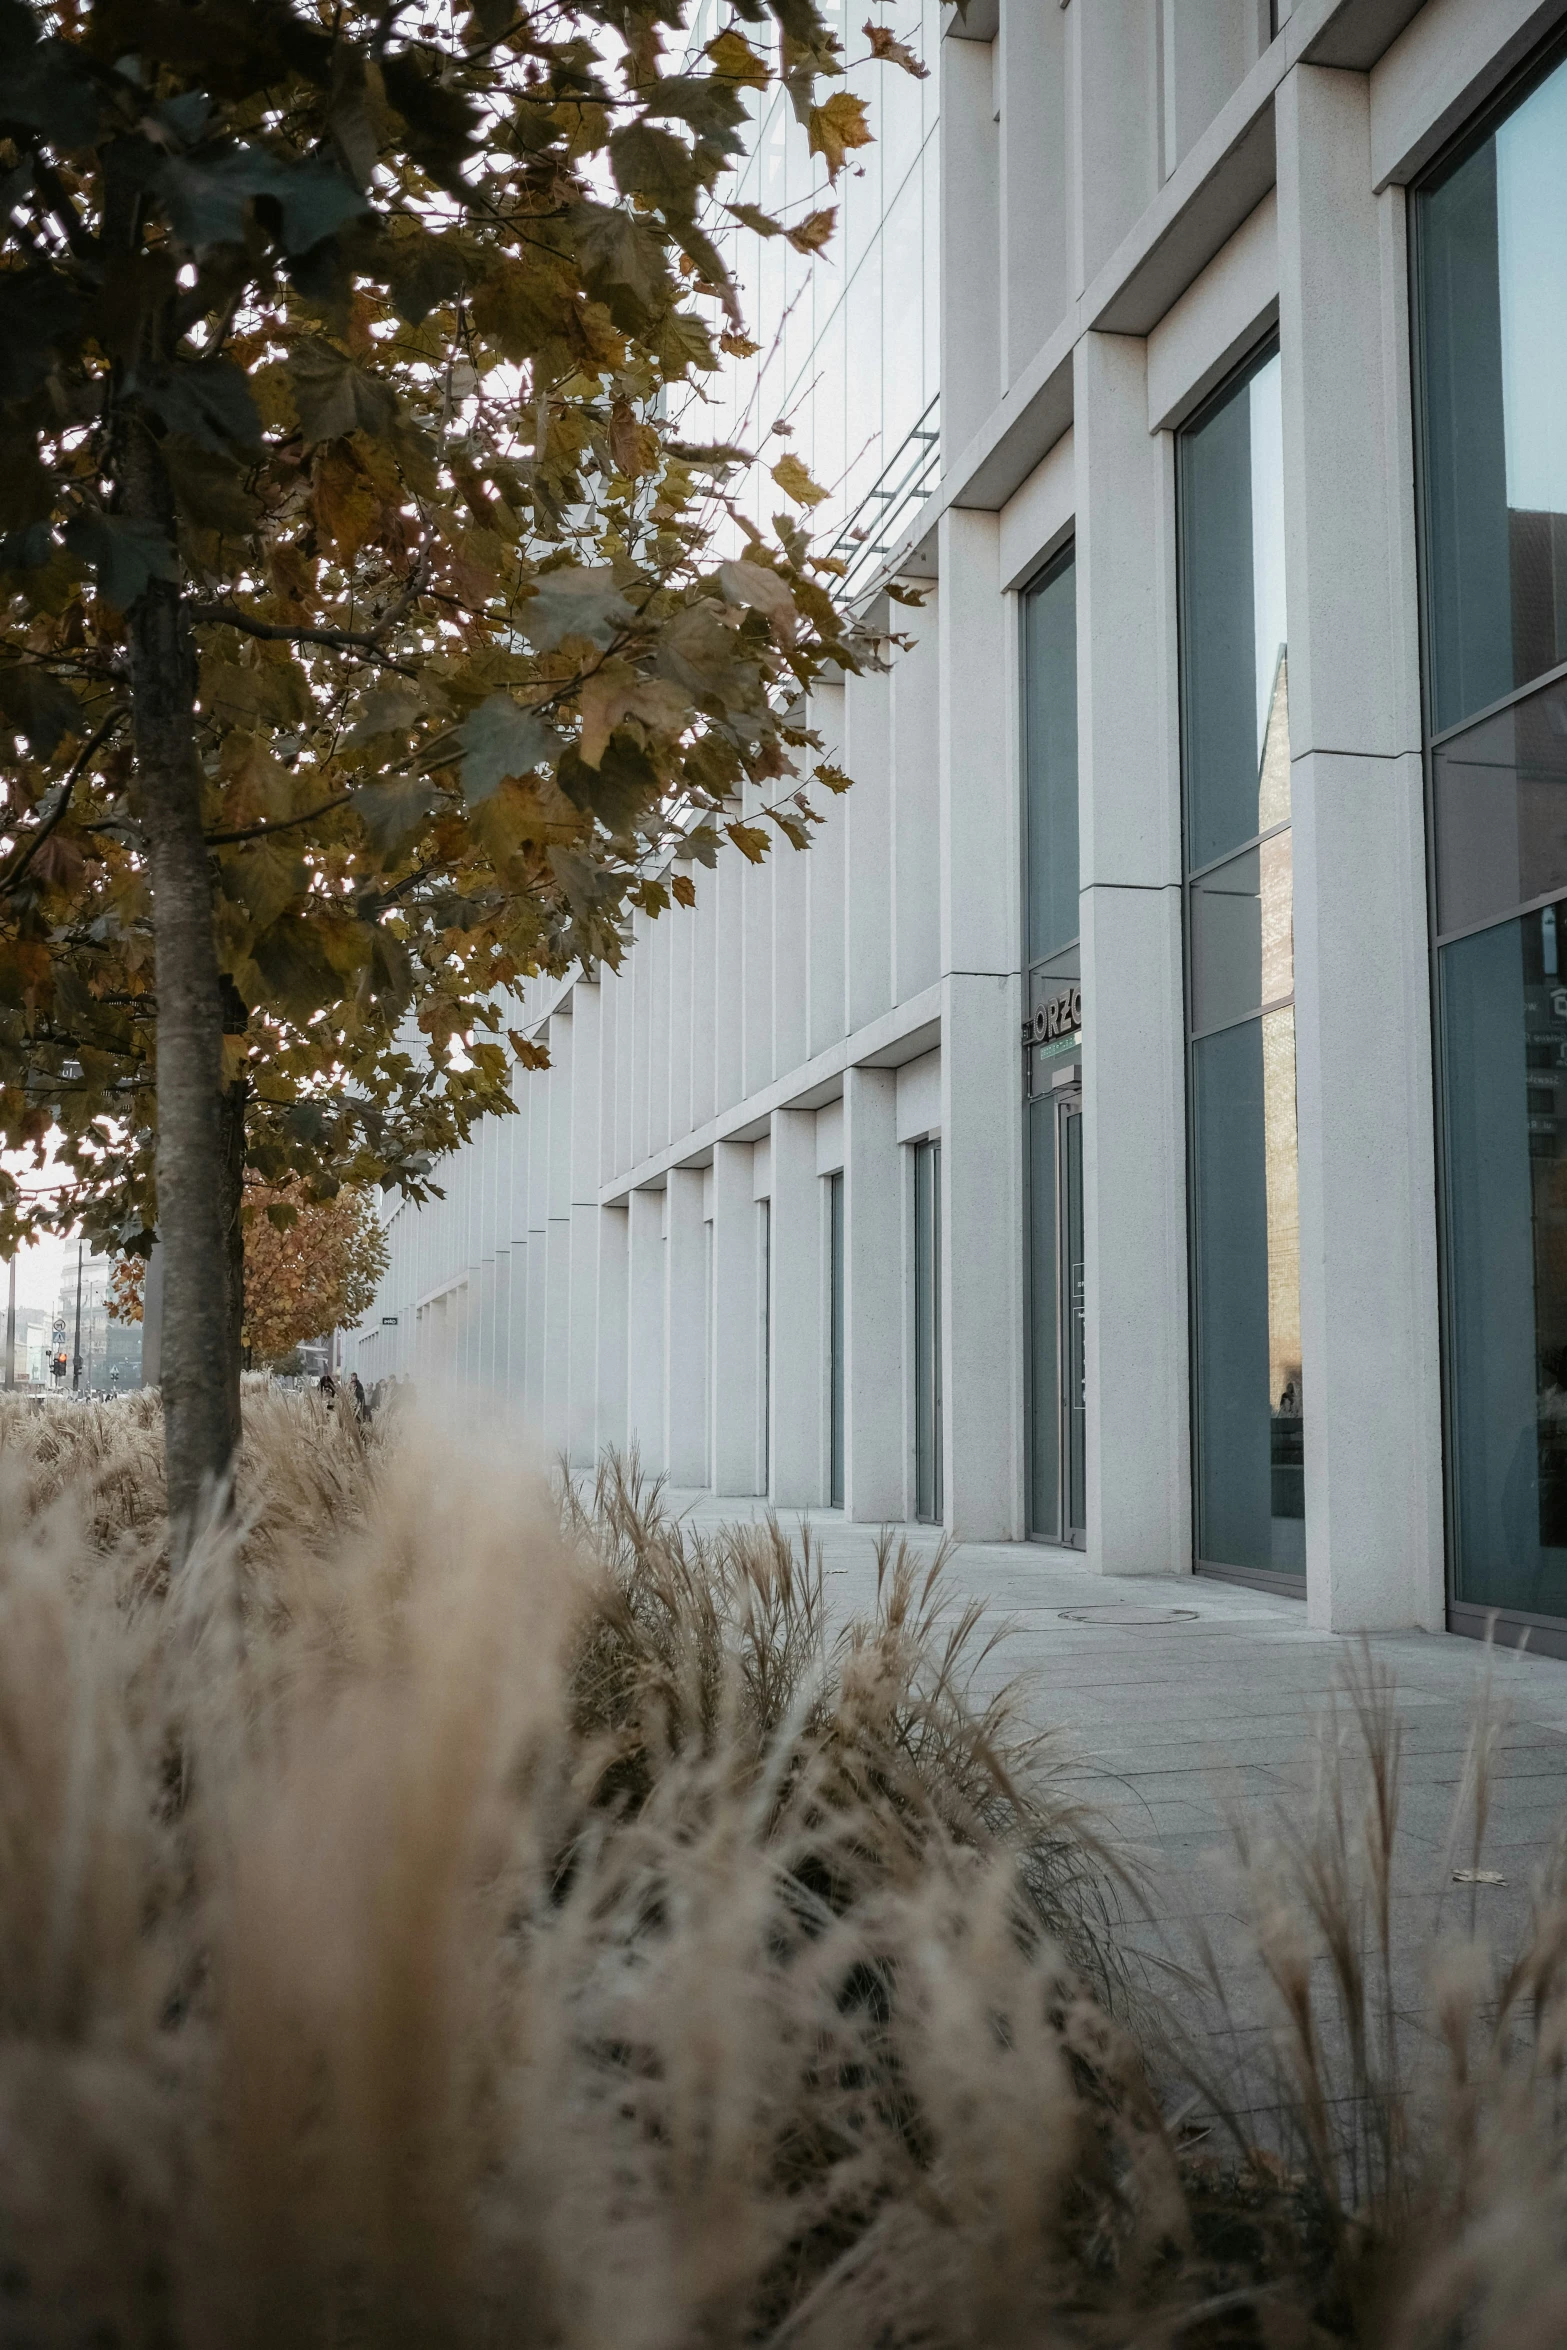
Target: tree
x,y
365,642
311,1266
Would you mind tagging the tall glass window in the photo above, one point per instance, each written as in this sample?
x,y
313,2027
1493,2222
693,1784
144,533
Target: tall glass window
x,y
1248,1411
1052,1050
928,1496
1490,286
835,1394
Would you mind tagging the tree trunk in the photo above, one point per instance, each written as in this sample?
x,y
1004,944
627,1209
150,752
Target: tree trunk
x,y
198,1164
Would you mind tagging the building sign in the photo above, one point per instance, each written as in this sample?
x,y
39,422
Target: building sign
x,y
389,1321
1060,1018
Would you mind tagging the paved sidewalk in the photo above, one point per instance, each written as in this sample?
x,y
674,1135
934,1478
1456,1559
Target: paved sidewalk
x,y
1182,1704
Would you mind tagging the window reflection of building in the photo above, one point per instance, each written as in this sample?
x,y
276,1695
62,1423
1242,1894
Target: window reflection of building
x,y
1249,1408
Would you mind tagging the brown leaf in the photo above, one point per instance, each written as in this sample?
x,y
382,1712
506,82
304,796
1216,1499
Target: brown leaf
x,y
682,889
813,232
738,346
836,127
749,839
633,445
529,1055
894,52
737,61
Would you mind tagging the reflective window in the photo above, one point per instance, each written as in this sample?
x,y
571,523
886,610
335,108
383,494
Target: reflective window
x,y
928,1497
835,1367
1504,1051
1248,1414
1500,802
1050,759
1491,284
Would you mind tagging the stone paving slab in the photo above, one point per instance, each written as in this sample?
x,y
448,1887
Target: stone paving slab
x,y
1173,1730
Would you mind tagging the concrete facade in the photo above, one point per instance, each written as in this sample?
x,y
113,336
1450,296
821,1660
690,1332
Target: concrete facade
x,y
1134,196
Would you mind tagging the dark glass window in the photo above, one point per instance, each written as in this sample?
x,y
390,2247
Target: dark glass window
x,y
835,1385
1504,1057
1491,286
1248,1423
928,1497
1050,759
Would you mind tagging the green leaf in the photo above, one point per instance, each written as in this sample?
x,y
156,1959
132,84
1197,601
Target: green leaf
x,y
652,163
208,400
124,555
392,812
501,738
575,603
207,197
209,488
41,709
334,397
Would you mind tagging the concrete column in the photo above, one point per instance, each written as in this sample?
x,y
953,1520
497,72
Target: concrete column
x,y
1369,1342
867,826
557,1338
981,1083
645,1329
1034,240
914,868
825,877
538,1244
727,884
874,1372
735,1318
970,239
685,1329
1134,1097
609,1427
517,1219
799,1364
583,1336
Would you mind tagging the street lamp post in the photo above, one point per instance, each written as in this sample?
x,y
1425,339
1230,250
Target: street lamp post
x,y
76,1375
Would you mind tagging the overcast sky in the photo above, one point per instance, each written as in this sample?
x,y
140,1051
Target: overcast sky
x,y
38,1269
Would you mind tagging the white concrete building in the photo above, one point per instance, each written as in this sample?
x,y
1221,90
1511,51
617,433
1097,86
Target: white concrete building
x,y
1140,1120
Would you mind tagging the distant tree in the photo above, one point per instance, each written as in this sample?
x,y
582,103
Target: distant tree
x,y
311,1266
363,642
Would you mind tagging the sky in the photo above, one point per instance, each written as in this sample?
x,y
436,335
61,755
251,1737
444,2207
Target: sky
x,y
38,1269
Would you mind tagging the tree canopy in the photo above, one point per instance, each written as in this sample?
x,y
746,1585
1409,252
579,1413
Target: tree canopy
x,y
374,622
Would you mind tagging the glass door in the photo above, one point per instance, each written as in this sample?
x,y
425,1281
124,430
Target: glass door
x,y
1074,1363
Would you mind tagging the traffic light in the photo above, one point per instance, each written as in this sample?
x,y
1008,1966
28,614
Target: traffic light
x,y
59,1364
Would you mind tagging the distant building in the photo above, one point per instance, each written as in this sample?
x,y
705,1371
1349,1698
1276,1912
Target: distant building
x,y
110,1350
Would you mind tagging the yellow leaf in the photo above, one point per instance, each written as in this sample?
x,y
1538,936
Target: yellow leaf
x,y
738,346
836,127
737,61
796,483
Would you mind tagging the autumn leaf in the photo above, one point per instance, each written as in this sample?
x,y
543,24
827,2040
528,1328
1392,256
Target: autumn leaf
x,y
634,445
762,590
682,889
611,695
837,126
737,345
749,839
813,231
796,483
737,61
529,1055
895,52
752,216
832,777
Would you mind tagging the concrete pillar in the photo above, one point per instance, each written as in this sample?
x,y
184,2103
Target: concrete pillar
x,y
970,239
1035,246
914,867
583,1333
981,1059
538,1245
1134,1096
685,1329
867,826
1374,1543
874,1280
645,1329
557,1338
825,877
609,1427
799,1364
735,1320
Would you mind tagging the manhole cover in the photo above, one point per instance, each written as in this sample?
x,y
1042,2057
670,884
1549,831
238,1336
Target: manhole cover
x,y
1128,1612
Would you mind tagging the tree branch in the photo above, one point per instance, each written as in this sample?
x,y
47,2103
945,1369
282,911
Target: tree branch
x,y
35,841
337,640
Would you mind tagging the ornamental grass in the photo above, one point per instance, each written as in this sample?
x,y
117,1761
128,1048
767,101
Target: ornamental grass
x,y
457,1907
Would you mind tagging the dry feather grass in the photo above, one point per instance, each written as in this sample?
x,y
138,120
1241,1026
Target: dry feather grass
x,y
435,1915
